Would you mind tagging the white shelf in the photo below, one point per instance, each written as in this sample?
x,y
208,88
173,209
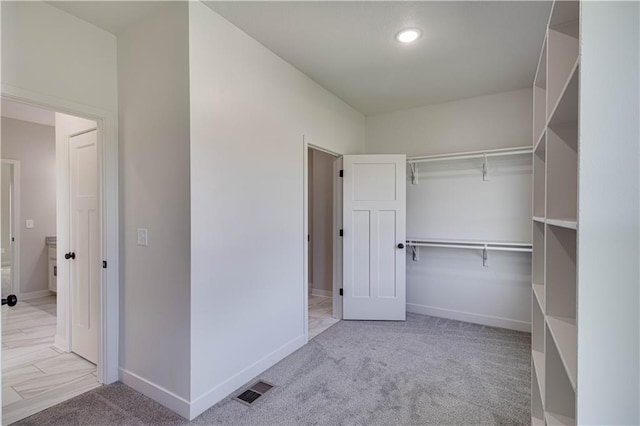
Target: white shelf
x,y
565,336
557,419
539,219
563,223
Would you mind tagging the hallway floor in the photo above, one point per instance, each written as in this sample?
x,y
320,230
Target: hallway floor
x,y
35,374
320,311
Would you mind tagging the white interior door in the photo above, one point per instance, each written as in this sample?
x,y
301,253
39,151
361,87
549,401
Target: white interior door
x,y
374,223
85,244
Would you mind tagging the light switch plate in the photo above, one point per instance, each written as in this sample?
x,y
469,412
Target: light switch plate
x,y
143,237
28,223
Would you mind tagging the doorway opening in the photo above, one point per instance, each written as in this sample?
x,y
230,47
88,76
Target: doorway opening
x,y
51,257
321,250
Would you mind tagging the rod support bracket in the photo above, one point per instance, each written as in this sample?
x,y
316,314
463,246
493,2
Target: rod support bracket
x,y
414,173
485,257
415,253
485,169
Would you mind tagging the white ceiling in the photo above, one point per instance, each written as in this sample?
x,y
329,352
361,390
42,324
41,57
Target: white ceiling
x,y
111,16
24,112
469,48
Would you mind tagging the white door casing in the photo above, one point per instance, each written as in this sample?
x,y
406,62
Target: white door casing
x,y
85,244
374,236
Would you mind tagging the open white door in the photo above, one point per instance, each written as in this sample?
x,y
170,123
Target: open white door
x,y
374,224
85,244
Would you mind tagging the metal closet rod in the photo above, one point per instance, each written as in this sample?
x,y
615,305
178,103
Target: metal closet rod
x,y
520,247
472,154
415,245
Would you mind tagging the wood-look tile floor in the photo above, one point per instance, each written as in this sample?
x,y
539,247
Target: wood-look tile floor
x,y
320,311
35,374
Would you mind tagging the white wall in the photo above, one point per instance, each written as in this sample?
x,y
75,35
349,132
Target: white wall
x,y
34,146
49,52
608,214
451,201
321,223
153,66
249,112
496,121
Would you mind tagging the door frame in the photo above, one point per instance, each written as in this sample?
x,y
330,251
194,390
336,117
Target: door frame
x,y
15,224
107,125
337,243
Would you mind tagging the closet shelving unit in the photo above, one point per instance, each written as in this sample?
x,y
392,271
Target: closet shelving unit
x,y
555,220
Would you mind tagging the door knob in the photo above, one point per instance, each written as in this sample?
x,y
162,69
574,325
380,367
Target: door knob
x,y
400,246
70,255
11,300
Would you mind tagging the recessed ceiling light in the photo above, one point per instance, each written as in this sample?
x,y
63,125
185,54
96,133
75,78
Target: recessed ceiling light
x,y
409,35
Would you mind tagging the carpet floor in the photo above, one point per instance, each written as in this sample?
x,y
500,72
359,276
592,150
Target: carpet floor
x,y
426,370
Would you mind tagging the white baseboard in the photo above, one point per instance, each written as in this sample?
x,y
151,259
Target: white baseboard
x,y
492,321
61,343
218,393
323,293
158,393
34,294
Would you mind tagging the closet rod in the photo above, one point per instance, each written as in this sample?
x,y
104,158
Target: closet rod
x,y
472,154
467,246
473,245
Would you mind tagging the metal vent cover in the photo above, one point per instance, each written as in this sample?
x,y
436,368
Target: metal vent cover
x,y
255,391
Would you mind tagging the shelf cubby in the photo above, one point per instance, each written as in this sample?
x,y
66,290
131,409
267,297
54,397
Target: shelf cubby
x,y
562,158
565,334
537,409
538,261
560,279
539,173
563,49
540,96
566,110
562,173
563,12
560,397
537,324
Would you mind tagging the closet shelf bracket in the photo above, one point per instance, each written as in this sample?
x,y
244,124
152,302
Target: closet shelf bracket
x,y
415,253
485,169
414,173
485,257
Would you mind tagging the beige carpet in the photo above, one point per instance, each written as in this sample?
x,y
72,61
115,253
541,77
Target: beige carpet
x,y
422,371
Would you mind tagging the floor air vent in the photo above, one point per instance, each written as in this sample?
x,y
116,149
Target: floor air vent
x,y
251,395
